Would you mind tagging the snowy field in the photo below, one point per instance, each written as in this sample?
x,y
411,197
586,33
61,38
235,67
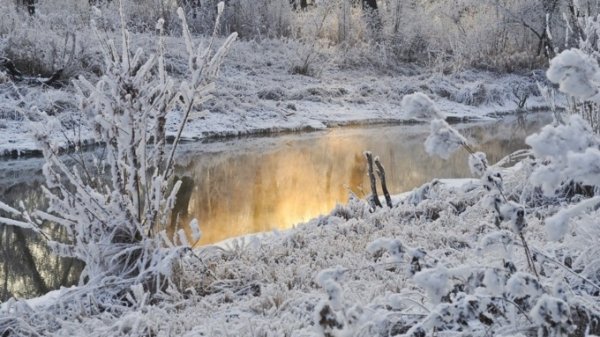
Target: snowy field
x,y
435,261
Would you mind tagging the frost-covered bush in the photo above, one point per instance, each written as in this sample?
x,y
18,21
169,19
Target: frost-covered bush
x,y
523,260
576,70
443,139
4,78
566,154
50,41
116,226
576,73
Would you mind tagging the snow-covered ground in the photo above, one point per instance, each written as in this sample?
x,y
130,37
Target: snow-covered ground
x,y
513,253
356,273
257,93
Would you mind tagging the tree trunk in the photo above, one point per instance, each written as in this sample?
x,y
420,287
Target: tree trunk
x,y
371,15
303,4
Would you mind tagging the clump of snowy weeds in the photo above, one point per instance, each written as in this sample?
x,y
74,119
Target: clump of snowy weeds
x,y
117,225
510,277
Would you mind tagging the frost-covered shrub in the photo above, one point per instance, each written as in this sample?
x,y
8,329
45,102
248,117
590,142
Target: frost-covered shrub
x,y
421,193
503,287
435,281
553,316
478,163
443,139
566,153
555,142
576,73
355,208
259,18
52,40
4,77
116,226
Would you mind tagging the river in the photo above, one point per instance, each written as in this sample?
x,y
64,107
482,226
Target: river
x,y
255,184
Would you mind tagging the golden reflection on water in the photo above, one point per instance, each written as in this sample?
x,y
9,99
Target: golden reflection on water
x,y
239,186
296,178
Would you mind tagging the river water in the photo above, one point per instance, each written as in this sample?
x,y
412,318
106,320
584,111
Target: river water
x,y
255,184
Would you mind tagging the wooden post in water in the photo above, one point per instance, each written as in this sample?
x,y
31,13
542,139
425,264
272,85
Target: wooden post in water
x,y
375,197
381,174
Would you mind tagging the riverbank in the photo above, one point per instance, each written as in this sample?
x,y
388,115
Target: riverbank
x,y
435,261
445,258
257,94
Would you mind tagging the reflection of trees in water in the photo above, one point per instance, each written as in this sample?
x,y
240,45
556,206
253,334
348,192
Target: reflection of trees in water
x,y
27,266
296,180
180,209
357,175
501,138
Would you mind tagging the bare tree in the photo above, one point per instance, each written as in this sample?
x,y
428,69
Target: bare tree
x,y
538,24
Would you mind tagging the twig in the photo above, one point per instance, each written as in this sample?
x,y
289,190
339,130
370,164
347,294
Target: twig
x,y
374,196
530,261
381,173
537,251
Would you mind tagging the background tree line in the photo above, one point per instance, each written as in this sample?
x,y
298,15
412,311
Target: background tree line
x,y
504,35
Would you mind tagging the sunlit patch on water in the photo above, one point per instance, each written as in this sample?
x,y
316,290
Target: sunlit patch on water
x,y
301,176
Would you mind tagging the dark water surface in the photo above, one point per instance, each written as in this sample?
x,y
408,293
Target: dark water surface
x,y
255,184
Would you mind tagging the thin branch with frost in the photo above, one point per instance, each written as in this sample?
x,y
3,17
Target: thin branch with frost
x,y
444,140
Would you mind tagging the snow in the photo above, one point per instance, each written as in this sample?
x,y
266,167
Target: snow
x,y
420,106
429,264
47,300
435,282
557,142
279,283
558,224
576,73
552,312
584,167
256,93
443,140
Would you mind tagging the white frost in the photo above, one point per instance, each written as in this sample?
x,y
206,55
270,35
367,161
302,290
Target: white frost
x,y
478,163
443,140
576,73
558,224
420,106
557,141
435,281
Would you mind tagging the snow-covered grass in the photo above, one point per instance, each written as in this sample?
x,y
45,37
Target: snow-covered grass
x,y
441,262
